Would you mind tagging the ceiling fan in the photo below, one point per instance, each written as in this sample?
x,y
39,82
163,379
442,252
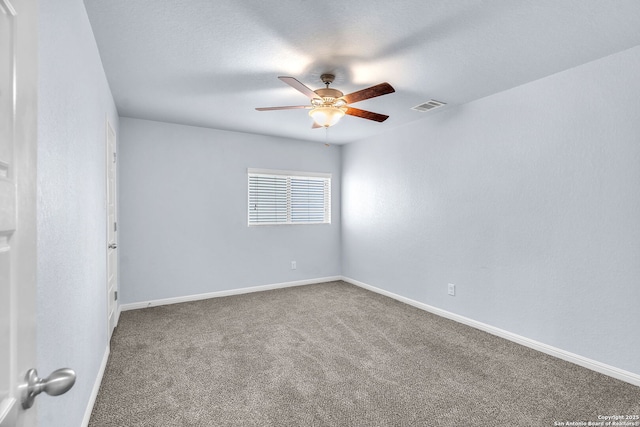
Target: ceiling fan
x,y
329,105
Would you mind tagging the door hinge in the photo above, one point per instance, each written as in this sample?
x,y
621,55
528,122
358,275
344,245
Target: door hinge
x,y
115,295
115,226
115,156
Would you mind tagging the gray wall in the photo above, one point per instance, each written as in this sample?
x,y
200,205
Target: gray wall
x,y
526,200
74,100
183,212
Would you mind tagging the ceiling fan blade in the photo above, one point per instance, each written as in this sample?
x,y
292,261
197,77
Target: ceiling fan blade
x,y
370,92
299,87
290,107
366,114
316,126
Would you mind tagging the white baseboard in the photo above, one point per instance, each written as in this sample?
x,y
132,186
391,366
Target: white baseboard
x,y
96,388
176,300
594,365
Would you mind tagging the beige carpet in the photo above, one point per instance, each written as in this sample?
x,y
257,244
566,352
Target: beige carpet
x,y
335,355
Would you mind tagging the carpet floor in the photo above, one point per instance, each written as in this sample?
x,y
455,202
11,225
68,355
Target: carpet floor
x,y
333,354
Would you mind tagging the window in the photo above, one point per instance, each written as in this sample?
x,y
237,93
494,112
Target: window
x,y
284,197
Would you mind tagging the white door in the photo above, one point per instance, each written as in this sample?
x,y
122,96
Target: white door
x,y
112,230
18,132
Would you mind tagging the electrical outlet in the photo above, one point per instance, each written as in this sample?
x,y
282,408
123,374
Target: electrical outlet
x,y
293,265
451,289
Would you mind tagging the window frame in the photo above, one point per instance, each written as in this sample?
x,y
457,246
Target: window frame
x,y
288,176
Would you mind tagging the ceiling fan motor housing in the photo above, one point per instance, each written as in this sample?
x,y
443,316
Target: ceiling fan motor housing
x,y
332,94
328,95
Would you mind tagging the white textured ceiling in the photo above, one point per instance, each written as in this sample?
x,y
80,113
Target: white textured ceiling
x,y
210,62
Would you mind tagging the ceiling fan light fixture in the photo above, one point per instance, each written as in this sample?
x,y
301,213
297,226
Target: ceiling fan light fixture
x,y
327,115
329,105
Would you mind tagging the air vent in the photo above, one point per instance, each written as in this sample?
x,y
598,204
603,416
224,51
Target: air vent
x,y
429,105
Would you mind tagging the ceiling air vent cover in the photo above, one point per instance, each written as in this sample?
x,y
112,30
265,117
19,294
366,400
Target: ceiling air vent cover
x,y
431,104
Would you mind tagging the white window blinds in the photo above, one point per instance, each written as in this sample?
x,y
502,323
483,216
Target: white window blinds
x,y
281,197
